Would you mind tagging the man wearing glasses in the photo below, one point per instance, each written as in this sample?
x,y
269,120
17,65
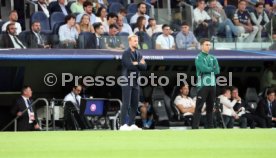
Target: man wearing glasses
x,y
206,68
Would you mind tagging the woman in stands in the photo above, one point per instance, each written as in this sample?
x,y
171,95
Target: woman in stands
x,y
84,25
140,24
101,15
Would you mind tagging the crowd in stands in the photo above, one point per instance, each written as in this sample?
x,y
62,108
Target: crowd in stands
x,y
244,20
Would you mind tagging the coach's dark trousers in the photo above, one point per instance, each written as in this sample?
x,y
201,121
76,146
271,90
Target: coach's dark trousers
x,y
130,99
205,94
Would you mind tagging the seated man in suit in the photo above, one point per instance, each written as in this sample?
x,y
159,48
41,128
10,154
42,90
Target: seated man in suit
x,y
99,31
60,6
10,39
34,37
26,121
265,108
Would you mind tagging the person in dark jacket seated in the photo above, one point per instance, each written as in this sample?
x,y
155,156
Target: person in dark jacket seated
x,y
266,109
59,6
10,40
26,121
35,39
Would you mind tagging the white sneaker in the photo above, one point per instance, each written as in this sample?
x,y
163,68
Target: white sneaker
x,y
125,127
135,128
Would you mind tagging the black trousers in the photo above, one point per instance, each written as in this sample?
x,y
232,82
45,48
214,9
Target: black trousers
x,y
228,120
130,99
205,94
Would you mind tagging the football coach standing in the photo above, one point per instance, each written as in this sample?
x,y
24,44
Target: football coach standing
x,y
206,68
132,63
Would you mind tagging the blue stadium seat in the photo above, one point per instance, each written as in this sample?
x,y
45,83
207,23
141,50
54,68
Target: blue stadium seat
x,y
56,17
55,38
133,25
154,37
144,40
70,3
115,7
23,37
86,41
124,38
51,5
132,8
128,16
42,18
250,9
1,24
230,10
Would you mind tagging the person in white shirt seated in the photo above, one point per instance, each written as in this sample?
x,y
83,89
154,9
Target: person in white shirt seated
x,y
88,10
101,15
183,102
42,6
142,9
68,33
165,40
13,17
228,113
153,27
123,27
74,96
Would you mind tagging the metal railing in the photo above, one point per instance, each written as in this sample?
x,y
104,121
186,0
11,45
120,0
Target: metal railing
x,y
33,103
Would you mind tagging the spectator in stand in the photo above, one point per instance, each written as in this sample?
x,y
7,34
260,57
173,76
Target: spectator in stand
x,y
88,10
85,25
222,23
142,9
35,39
185,39
99,31
269,10
10,39
123,13
242,21
140,24
101,15
153,27
113,41
123,27
231,2
165,40
98,3
259,19
60,6
42,6
77,7
13,17
68,33
111,19
204,24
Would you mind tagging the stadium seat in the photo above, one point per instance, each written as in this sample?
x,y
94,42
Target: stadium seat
x,y
144,40
1,24
133,25
154,37
193,92
124,38
42,18
23,37
70,3
230,10
132,8
115,7
251,97
56,17
55,37
86,40
51,5
250,9
128,16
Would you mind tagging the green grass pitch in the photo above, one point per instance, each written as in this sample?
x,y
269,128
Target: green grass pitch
x,y
234,143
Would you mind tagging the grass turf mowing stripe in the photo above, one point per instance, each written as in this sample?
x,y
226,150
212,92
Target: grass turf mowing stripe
x,y
256,143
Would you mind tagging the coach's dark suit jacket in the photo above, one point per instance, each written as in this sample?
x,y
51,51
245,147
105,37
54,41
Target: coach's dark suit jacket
x,y
55,7
23,121
127,67
6,41
262,109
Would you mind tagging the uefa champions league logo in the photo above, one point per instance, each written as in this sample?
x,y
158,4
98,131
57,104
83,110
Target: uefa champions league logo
x,y
93,107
